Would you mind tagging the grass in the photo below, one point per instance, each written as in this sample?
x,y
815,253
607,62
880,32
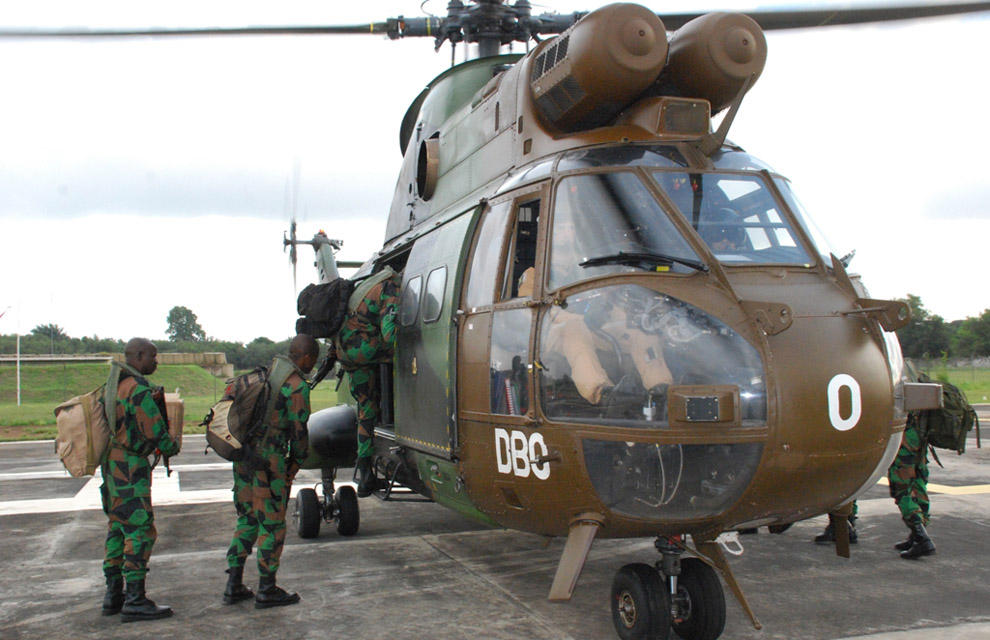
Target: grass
x,y
974,382
43,387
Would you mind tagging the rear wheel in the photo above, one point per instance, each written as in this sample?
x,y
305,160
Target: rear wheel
x,y
308,513
700,602
640,604
348,518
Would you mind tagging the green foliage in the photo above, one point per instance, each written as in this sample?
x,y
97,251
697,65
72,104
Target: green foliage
x,y
50,331
927,335
972,338
182,326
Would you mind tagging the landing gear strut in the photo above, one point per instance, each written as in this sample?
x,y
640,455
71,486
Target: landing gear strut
x,y
680,595
340,506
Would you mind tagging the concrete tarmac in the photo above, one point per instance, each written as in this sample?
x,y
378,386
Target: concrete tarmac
x,y
417,570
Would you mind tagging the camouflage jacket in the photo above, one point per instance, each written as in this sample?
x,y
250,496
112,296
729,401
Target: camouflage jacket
x,y
140,428
377,313
287,438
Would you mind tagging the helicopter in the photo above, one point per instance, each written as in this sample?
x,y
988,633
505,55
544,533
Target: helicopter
x,y
614,322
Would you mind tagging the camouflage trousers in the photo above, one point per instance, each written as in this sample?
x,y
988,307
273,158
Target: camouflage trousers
x,y
131,534
908,477
260,499
360,354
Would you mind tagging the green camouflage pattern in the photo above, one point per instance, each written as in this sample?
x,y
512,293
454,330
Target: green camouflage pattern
x,y
908,475
366,339
261,497
140,429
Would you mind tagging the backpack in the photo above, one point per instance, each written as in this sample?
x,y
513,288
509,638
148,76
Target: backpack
x,y
83,433
323,307
238,419
948,426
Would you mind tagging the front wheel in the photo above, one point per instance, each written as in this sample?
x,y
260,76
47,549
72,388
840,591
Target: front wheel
x,y
640,604
308,513
700,602
348,516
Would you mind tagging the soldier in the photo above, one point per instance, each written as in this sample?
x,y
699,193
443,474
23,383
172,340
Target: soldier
x,y
908,477
366,339
262,483
137,412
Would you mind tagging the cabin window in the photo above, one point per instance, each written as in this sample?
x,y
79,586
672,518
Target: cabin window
x,y
736,216
510,361
433,301
485,260
600,215
409,303
520,259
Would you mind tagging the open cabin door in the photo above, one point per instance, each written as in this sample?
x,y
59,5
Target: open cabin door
x,y
424,355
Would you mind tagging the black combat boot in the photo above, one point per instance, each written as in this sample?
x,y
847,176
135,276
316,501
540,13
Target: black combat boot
x,y
922,545
367,480
138,607
907,544
271,596
113,599
236,591
828,536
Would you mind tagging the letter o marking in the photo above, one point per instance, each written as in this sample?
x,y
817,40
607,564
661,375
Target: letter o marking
x,y
856,400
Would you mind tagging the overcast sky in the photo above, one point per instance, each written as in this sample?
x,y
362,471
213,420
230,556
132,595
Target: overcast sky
x,y
140,174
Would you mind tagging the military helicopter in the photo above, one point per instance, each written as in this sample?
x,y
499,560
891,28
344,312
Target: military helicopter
x,y
614,322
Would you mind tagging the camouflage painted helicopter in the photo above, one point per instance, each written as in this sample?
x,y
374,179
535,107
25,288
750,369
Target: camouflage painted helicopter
x,y
614,322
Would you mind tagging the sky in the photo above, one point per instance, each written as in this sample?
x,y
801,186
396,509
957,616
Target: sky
x,y
141,174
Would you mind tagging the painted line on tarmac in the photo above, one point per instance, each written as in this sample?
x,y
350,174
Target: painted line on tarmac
x,y
969,490
165,492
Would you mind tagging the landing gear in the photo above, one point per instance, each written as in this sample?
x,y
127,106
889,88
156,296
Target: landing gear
x,y
699,602
640,604
340,506
680,595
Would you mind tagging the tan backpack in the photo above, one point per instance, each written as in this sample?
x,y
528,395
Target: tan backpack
x,y
83,433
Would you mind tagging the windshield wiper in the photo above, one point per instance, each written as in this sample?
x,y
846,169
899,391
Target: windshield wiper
x,y
643,260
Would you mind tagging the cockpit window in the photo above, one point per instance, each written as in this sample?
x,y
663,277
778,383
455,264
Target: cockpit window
x,y
736,216
597,217
821,242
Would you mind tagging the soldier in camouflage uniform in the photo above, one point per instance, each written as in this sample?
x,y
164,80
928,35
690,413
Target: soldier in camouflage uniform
x,y
140,428
366,339
908,477
262,483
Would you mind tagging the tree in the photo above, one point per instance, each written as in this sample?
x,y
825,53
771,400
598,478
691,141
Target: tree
x,y
51,331
927,335
972,338
182,325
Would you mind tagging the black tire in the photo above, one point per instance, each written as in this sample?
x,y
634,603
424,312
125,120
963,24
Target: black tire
x,y
348,518
701,602
640,604
308,513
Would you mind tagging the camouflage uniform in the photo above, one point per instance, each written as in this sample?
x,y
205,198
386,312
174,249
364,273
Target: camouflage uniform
x,y
261,497
140,429
366,339
908,474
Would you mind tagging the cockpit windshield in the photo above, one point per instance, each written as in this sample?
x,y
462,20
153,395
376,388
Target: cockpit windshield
x,y
736,215
597,217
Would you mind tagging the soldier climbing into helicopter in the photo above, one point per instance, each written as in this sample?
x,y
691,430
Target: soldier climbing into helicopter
x,y
366,339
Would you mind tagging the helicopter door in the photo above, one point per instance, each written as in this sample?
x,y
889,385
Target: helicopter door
x,y
495,387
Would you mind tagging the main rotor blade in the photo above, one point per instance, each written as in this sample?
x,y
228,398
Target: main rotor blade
x,y
374,28
543,24
802,19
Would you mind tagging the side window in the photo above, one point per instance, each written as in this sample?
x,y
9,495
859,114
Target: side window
x,y
520,259
509,361
409,304
436,282
484,261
